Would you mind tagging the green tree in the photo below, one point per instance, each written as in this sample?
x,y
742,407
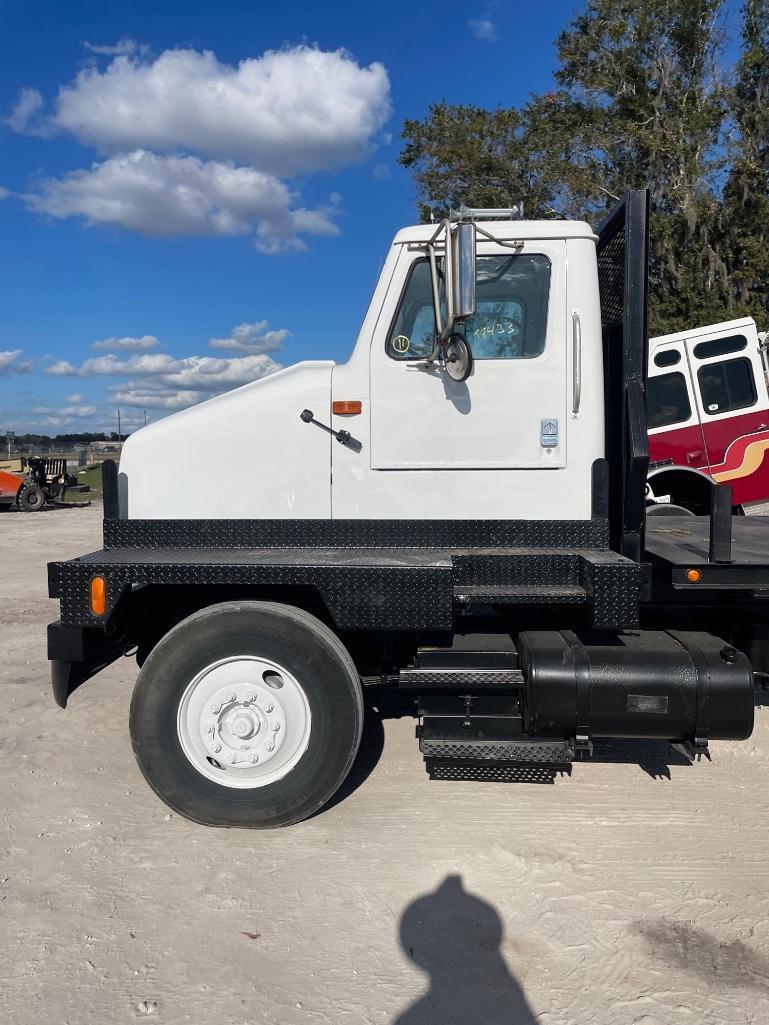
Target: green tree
x,y
745,214
648,75
638,100
464,154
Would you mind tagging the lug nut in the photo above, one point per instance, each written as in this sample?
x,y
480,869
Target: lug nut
x,y
210,728
231,697
268,708
254,758
234,759
214,709
270,746
217,748
275,727
251,696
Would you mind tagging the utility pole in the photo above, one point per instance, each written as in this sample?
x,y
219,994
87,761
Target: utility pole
x,y
119,437
145,417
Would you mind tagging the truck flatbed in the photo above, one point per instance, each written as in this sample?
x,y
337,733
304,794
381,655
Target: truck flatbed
x,y
678,548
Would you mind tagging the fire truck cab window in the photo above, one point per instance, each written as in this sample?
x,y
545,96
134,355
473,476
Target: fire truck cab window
x,y
720,346
667,400
726,386
667,358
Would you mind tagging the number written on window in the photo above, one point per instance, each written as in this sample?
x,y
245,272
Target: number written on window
x,y
512,294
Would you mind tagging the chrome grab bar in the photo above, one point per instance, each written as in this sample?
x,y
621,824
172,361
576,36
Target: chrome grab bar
x,y
577,359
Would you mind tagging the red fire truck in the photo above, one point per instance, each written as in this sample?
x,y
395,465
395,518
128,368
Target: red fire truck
x,y
708,417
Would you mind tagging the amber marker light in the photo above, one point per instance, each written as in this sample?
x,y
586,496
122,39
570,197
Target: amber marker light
x,y
98,596
346,407
693,576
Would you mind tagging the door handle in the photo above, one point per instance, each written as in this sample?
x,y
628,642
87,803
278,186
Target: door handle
x,y
576,328
695,457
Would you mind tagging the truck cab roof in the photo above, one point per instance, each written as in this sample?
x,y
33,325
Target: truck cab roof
x,y
726,326
507,230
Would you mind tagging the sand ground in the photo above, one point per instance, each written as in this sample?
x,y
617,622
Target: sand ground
x,y
632,893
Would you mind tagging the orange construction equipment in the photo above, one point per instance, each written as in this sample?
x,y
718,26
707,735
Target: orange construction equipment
x,y
45,483
10,486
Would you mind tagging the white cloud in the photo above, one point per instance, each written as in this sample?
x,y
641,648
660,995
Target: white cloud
x,y
251,338
483,28
127,344
11,364
287,112
161,381
23,118
197,147
61,367
166,196
4,193
66,412
167,399
125,45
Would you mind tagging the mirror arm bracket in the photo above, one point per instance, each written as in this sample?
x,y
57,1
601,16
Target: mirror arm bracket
x,y
516,244
442,331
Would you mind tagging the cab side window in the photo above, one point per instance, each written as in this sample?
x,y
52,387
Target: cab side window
x,y
512,296
667,400
726,386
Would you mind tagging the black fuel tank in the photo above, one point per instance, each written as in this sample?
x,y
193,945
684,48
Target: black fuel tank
x,y
667,685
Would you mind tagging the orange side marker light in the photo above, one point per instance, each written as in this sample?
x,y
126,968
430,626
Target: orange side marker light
x,y
98,596
346,407
693,576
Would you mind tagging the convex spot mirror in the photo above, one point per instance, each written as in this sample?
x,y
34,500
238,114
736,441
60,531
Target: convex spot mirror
x,y
458,358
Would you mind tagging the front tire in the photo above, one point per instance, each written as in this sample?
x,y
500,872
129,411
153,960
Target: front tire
x,y
247,714
31,498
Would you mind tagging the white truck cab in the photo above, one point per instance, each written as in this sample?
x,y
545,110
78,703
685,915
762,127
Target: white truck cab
x,y
515,439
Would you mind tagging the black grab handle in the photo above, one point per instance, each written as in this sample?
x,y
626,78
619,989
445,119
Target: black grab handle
x,y
343,437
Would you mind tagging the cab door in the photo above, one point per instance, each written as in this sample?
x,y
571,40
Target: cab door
x,y
675,427
728,378
511,411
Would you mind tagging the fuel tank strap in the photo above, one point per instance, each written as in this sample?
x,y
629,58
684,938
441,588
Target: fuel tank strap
x,y
582,682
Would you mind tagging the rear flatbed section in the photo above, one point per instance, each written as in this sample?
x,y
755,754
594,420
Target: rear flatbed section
x,y
678,549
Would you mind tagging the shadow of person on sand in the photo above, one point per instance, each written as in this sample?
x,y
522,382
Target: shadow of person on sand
x,y
455,937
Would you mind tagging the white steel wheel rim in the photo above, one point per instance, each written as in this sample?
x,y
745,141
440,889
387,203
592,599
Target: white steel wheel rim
x,y
244,722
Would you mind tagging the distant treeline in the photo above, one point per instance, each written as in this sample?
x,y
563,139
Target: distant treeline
x,y
22,441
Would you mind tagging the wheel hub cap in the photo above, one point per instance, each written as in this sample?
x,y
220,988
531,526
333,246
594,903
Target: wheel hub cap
x,y
244,722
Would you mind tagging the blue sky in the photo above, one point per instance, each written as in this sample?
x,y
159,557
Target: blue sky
x,y
146,217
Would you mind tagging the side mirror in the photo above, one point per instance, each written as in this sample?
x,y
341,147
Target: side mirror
x,y
463,239
459,278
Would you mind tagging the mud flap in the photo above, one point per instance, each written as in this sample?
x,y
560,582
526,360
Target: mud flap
x,y
76,654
